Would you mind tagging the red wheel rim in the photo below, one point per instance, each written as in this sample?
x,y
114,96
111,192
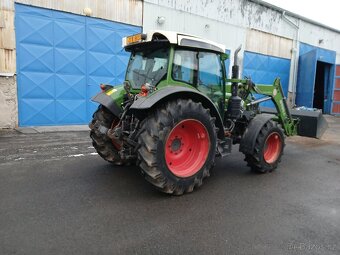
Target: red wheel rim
x,y
272,148
187,148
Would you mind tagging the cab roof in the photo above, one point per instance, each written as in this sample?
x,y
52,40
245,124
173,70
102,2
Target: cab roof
x,y
177,38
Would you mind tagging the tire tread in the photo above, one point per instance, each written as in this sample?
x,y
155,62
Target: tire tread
x,y
154,127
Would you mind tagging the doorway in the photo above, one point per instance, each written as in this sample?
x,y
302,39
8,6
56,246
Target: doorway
x,y
321,85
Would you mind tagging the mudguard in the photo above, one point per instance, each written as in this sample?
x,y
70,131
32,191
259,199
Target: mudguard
x,y
249,137
141,106
108,102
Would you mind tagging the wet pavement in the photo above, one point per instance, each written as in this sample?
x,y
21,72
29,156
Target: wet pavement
x,y
57,196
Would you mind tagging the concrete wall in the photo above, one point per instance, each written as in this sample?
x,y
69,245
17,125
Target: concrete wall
x,y
176,20
228,22
8,88
8,102
125,11
240,14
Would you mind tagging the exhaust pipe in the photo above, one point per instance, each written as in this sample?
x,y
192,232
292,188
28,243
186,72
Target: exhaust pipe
x,y
234,103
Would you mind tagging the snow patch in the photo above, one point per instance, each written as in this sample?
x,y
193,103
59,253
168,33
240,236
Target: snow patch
x,y
17,159
76,155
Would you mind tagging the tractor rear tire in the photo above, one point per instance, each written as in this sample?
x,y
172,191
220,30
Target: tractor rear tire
x,y
177,146
268,149
101,142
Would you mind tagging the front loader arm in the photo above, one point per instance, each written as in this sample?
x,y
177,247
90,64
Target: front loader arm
x,y
272,92
275,92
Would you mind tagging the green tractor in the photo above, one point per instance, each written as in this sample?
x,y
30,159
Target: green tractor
x,y
177,111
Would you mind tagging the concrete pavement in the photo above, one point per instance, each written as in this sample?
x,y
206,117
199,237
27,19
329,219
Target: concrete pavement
x,y
57,196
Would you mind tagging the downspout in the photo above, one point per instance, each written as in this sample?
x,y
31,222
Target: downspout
x,y
295,57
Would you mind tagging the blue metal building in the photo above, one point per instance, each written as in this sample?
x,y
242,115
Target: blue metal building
x,y
61,60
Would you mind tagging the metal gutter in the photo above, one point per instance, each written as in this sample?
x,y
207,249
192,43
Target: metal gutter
x,y
292,14
288,20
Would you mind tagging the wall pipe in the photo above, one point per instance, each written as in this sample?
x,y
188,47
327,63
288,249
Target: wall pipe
x,y
293,80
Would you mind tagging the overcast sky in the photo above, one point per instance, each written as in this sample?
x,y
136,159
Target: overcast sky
x,y
324,11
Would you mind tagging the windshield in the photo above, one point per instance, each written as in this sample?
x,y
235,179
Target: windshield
x,y
147,66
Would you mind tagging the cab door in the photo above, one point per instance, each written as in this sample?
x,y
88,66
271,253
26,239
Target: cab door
x,y
210,77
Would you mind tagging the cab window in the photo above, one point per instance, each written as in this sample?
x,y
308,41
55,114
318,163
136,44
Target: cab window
x,y
210,69
148,66
185,66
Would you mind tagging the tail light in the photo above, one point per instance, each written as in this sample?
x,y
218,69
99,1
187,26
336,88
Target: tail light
x,y
105,87
144,90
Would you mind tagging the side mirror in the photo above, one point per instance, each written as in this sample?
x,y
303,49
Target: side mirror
x,y
224,56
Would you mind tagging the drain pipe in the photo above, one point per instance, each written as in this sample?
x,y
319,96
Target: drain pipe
x,y
294,66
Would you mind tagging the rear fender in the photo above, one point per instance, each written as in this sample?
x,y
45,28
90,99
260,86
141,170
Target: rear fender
x,y
143,105
111,99
249,137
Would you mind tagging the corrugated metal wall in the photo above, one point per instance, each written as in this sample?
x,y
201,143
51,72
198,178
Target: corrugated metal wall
x,y
7,37
268,44
263,69
125,11
62,59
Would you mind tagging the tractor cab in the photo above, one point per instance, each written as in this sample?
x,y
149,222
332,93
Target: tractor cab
x,y
161,58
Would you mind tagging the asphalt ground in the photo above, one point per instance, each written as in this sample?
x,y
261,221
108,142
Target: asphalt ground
x,y
57,196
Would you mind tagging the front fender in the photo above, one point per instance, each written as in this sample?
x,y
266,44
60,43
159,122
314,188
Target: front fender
x,y
142,105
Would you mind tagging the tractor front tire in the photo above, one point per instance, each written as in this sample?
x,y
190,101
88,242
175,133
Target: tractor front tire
x,y
101,142
268,149
177,146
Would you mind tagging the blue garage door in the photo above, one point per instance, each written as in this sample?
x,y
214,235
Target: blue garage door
x,y
309,58
61,60
264,69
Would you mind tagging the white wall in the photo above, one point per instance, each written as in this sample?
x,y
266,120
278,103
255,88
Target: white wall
x,y
311,34
235,22
220,28
181,21
239,15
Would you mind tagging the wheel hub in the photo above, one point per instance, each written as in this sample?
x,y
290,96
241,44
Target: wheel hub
x,y
176,145
187,148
